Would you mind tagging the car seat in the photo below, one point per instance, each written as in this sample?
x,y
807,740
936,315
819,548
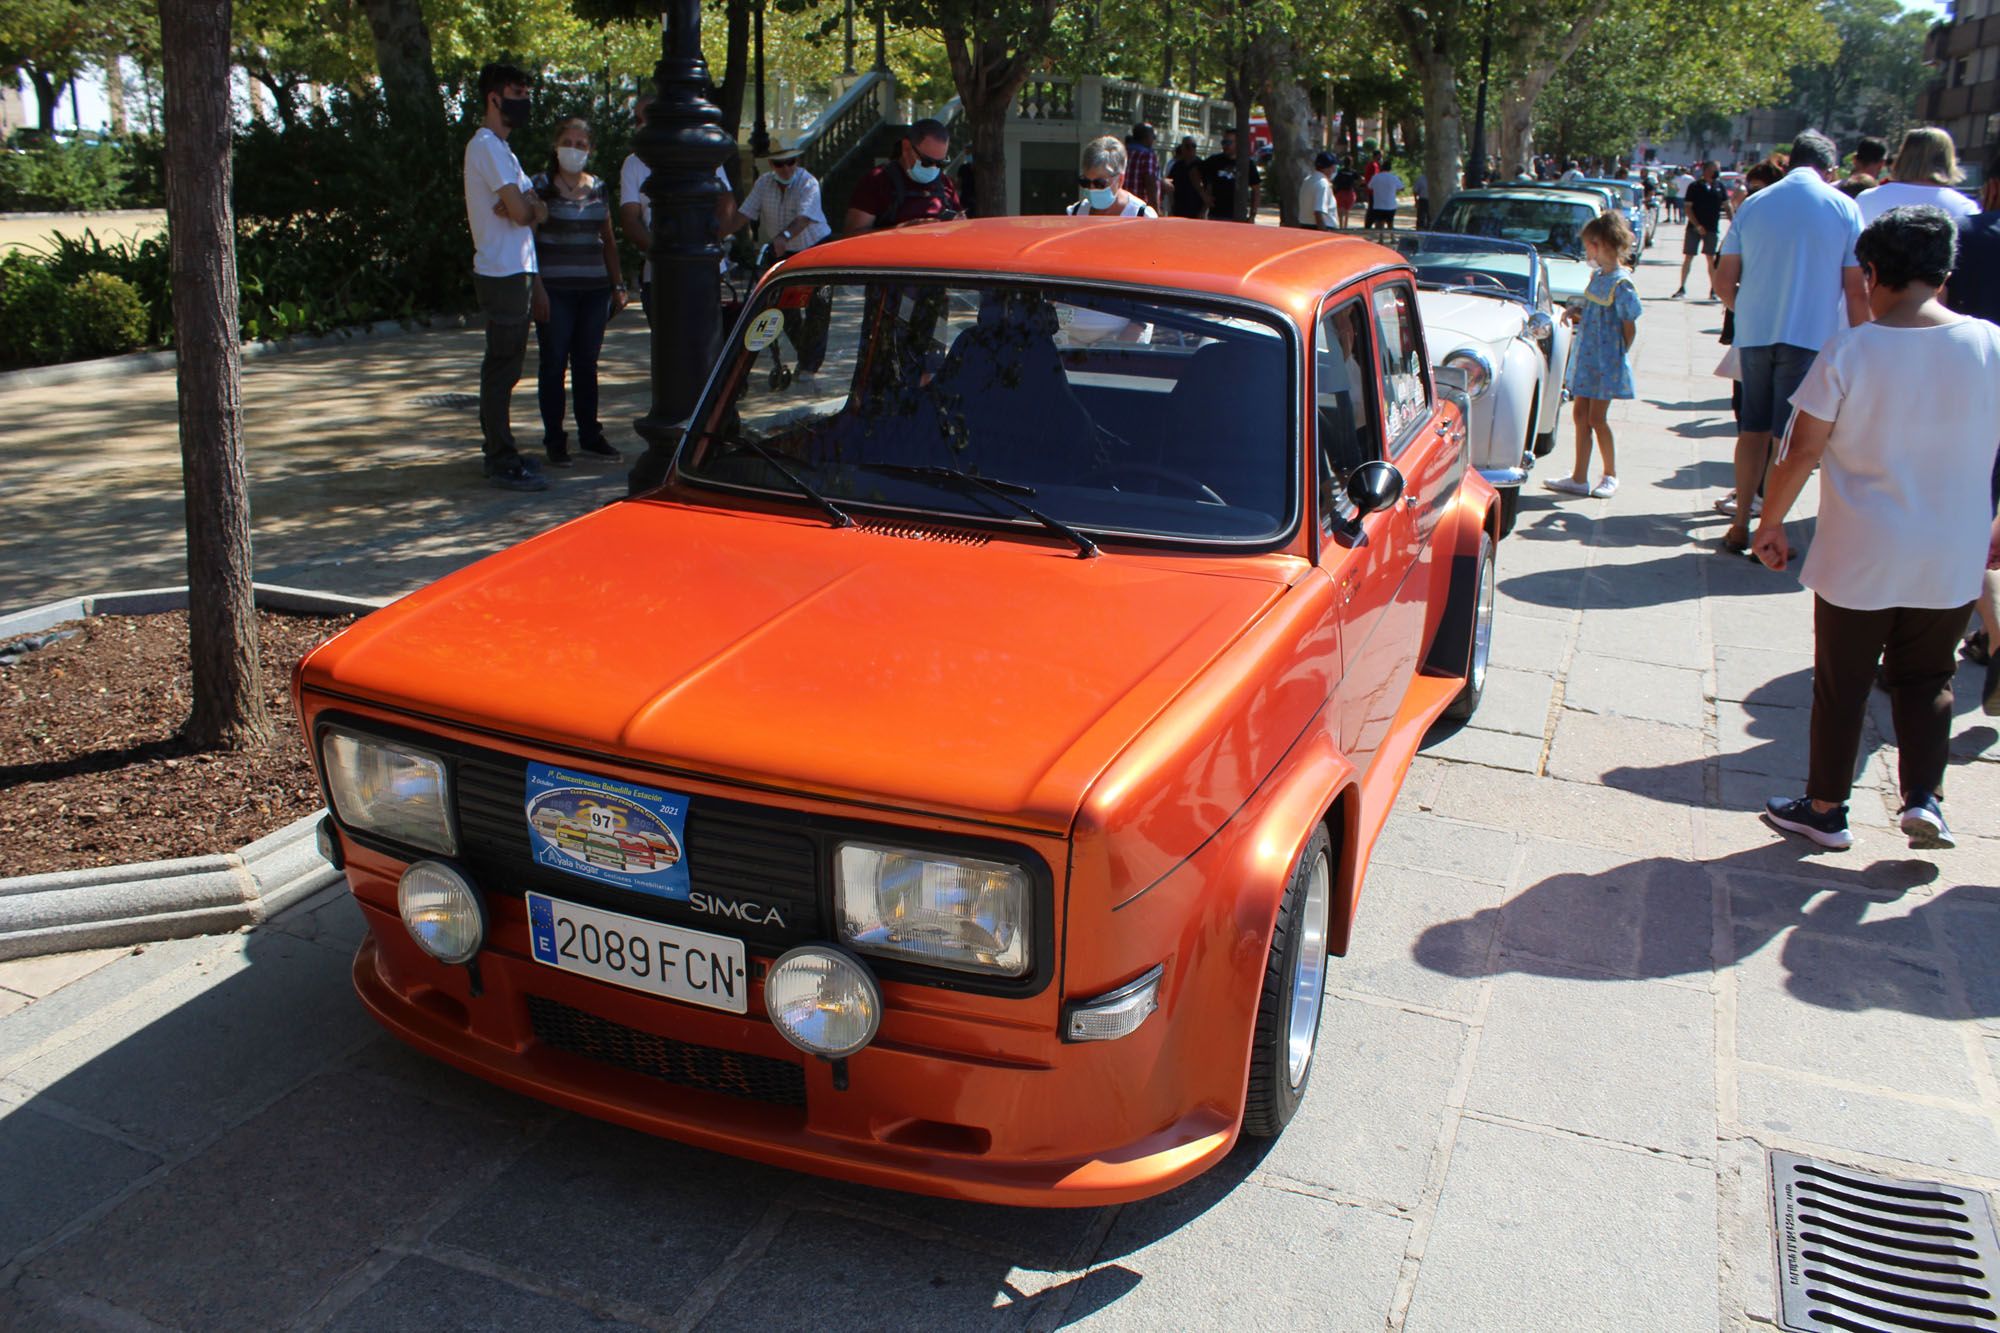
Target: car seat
x,y
1004,401
1230,420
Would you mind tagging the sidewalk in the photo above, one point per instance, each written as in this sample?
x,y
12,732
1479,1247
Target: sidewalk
x,y
1588,990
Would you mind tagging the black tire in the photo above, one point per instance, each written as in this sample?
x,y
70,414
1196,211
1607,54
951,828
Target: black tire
x,y
1273,1097
1467,702
1510,508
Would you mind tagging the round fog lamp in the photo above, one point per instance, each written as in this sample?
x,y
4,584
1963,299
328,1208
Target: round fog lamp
x,y
824,1002
442,911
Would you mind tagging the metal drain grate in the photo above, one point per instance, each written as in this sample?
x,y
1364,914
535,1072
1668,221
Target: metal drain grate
x,y
1874,1254
462,402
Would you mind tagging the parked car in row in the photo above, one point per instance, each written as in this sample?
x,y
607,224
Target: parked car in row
x,y
1631,200
1487,311
1020,697
1550,220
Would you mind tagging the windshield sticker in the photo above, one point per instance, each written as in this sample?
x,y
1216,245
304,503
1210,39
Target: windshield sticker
x,y
764,330
609,831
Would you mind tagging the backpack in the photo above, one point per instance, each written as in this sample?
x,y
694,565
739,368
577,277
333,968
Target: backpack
x,y
900,182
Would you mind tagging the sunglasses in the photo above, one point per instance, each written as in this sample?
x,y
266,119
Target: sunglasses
x,y
1093,182
925,159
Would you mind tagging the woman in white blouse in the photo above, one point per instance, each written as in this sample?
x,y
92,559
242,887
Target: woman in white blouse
x,y
1103,180
1925,172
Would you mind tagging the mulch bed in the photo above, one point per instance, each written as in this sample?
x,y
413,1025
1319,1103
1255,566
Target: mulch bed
x,y
91,773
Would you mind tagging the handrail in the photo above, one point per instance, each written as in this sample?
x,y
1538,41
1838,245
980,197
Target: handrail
x,y
836,131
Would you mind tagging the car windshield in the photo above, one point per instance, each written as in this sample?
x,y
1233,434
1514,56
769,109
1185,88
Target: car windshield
x,y
1145,414
1552,224
1471,262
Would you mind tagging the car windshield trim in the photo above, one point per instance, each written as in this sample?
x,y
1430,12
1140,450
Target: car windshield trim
x,y
1266,316
1007,492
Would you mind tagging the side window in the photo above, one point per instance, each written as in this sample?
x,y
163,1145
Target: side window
x,y
1406,393
1347,404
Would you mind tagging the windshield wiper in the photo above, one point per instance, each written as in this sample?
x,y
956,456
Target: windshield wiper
x,y
1008,491
840,517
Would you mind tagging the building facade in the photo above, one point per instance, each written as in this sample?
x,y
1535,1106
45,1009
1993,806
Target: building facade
x,y
1964,99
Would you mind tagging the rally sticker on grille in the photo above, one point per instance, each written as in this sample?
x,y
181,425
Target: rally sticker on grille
x,y
609,831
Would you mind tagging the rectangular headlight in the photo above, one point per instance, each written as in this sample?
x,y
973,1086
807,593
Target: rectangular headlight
x,y
389,789
944,911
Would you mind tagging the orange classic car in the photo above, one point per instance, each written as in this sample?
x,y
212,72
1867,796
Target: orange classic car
x,y
1016,668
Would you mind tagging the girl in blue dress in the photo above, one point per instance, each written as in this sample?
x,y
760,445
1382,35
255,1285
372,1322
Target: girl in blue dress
x,y
1599,368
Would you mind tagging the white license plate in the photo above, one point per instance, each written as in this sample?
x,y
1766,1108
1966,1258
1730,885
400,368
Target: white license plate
x,y
688,965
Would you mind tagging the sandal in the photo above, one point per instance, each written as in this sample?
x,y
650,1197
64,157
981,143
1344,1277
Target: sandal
x,y
1736,545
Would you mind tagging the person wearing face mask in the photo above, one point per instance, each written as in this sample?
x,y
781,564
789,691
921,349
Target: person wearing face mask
x,y
503,211
578,288
1102,178
786,201
910,188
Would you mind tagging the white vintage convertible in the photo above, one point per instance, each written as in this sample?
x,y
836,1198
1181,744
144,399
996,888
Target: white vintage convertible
x,y
1487,314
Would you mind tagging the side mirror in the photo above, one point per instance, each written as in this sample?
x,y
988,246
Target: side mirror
x,y
1540,327
1374,485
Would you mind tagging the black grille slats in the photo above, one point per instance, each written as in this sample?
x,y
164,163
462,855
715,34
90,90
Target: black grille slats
x,y
757,1078
1875,1255
765,874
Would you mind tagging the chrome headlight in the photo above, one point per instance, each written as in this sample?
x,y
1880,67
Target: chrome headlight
x,y
822,1001
1478,370
387,788
945,911
442,911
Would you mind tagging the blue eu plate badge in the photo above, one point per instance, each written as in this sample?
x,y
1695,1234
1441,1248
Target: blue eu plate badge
x,y
609,831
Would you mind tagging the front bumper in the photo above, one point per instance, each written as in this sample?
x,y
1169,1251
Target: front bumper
x,y
1029,1120
1504,478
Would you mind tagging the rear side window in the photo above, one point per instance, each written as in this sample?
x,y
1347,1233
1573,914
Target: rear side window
x,y
1346,410
1406,393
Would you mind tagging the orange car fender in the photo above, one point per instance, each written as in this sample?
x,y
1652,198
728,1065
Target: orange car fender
x,y
1317,784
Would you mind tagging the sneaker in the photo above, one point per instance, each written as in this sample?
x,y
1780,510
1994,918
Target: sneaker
x,y
514,474
1727,505
1924,824
1567,486
1974,649
1798,816
1604,489
559,457
598,451
1678,295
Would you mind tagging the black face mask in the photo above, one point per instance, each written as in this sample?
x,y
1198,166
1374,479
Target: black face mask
x,y
514,110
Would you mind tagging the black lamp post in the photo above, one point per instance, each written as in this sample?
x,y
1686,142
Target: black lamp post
x,y
681,143
847,21
881,39
1475,170
760,134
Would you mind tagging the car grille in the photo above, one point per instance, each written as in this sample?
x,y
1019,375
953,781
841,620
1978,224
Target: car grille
x,y
739,853
757,1078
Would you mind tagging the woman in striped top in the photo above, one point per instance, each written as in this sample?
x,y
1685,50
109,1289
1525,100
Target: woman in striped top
x,y
577,291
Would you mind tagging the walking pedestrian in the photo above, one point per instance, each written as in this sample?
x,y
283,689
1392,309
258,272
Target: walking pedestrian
x,y
502,210
1677,199
1142,167
1706,203
1788,271
1600,362
1316,205
1895,558
1975,291
786,202
578,288
1346,189
911,187
635,212
1871,159
1925,172
1383,187
1101,174
1220,170
1187,192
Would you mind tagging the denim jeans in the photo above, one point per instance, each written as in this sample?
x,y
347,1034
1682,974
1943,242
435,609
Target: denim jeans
x,y
572,338
504,301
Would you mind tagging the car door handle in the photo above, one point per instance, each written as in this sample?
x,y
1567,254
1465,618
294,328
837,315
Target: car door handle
x,y
1409,501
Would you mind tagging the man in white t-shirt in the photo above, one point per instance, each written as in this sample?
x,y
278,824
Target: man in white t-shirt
x,y
635,211
1383,187
1901,415
1677,196
1316,193
503,211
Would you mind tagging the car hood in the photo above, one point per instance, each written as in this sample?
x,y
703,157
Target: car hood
x,y
990,681
1453,319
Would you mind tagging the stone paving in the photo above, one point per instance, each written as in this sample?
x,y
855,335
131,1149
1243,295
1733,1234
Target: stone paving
x,y
1588,990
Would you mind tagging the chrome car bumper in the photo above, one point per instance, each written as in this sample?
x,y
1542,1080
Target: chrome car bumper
x,y
1503,477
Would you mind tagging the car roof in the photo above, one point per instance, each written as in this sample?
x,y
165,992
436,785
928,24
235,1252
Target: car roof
x,y
1288,268
1522,192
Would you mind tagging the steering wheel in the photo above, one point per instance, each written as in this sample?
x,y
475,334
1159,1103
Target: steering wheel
x,y
1474,277
1192,487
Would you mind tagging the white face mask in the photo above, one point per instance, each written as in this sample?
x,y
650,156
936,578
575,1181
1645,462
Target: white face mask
x,y
572,159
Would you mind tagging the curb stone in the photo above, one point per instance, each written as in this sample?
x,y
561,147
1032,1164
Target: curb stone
x,y
135,363
147,901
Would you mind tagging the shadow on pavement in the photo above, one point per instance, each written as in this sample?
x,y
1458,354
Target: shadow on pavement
x,y
251,1152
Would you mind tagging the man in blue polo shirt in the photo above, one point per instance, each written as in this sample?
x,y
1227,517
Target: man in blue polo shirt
x,y
1788,271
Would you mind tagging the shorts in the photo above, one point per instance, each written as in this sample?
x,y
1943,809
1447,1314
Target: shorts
x,y
1694,243
1771,375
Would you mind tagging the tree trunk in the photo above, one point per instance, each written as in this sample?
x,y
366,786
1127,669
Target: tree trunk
x,y
403,57
1291,116
114,96
989,157
1517,106
1517,135
201,241
47,91
987,79
1444,124
735,70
